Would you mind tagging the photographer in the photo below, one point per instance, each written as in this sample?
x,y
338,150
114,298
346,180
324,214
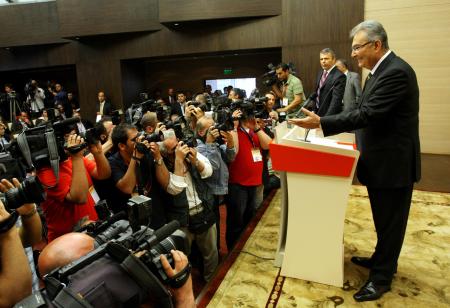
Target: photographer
x,y
245,174
72,197
35,98
291,92
137,167
193,201
219,156
29,227
15,274
72,246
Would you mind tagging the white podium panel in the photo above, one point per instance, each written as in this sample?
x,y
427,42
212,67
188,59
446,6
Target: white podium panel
x,y
315,181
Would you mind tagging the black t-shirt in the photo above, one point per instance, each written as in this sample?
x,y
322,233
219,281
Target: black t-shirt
x,y
150,188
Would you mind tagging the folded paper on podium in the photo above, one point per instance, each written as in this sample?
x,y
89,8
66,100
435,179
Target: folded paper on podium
x,y
316,177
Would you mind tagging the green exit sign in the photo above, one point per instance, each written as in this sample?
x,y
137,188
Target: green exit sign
x,y
228,71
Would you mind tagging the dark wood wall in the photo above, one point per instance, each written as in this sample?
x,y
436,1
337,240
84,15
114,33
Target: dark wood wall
x,y
189,73
112,34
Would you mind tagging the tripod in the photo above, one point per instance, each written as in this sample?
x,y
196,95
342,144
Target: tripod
x,y
13,106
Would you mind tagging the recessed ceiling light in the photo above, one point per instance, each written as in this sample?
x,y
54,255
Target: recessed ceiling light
x,y
77,38
176,24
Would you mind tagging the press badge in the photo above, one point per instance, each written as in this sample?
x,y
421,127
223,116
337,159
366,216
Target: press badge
x,y
94,194
284,102
256,153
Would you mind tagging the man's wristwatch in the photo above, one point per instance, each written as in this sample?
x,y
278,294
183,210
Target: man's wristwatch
x,y
257,130
159,162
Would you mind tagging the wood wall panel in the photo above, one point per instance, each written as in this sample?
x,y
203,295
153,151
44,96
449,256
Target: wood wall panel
x,y
311,25
86,17
29,24
189,73
302,29
418,32
192,10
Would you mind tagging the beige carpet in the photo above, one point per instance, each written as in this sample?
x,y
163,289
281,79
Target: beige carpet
x,y
423,278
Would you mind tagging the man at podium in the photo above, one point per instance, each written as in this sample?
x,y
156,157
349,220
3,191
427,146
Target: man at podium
x,y
386,121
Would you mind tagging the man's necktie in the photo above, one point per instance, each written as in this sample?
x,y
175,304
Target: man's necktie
x,y
321,82
367,79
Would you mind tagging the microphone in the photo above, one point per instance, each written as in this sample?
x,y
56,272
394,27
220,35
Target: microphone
x,y
309,101
160,234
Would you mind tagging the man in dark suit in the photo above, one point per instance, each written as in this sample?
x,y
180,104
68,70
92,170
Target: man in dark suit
x,y
387,135
104,106
352,86
179,106
330,85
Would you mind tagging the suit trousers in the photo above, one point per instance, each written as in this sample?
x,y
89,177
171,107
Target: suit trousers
x,y
390,211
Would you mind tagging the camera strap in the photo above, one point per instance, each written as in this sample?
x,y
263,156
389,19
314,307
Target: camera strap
x,y
53,153
24,148
250,137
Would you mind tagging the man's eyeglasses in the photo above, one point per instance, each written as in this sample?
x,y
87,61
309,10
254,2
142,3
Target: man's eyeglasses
x,y
358,47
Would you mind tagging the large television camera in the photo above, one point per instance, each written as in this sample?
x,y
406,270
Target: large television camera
x,y
270,77
123,270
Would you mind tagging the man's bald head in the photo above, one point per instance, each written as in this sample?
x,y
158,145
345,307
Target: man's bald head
x,y
63,250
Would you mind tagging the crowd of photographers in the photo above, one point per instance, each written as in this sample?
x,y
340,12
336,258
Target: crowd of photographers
x,y
187,154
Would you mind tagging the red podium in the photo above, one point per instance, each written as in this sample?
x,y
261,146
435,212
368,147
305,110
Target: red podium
x,y
316,176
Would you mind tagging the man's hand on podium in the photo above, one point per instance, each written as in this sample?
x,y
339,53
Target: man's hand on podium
x,y
311,120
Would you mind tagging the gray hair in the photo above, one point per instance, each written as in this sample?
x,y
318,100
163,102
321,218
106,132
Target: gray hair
x,y
374,30
328,51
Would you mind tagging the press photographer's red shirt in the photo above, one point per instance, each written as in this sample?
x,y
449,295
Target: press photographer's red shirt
x,y
62,215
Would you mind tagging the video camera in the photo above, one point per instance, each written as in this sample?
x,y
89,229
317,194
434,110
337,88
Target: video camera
x,y
270,77
135,113
123,269
29,191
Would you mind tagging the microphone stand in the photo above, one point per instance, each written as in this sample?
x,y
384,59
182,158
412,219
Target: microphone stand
x,y
306,135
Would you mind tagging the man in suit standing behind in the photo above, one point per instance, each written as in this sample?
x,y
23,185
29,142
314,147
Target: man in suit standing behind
x,y
330,86
352,86
104,106
386,121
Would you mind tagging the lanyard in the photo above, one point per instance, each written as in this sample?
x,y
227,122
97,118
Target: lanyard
x,y
249,137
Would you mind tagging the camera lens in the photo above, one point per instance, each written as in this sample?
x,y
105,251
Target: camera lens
x,y
30,191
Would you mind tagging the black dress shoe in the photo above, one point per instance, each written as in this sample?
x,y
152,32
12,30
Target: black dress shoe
x,y
371,291
362,261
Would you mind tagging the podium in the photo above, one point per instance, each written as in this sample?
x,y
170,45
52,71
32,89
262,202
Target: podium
x,y
316,177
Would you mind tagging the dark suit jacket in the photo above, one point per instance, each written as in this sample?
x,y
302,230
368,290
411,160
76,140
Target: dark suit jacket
x,y
107,108
387,123
352,90
176,109
331,93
